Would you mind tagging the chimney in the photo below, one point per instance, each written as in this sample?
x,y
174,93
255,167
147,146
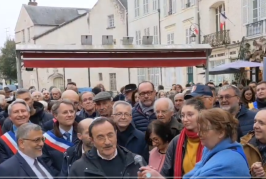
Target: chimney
x,y
32,3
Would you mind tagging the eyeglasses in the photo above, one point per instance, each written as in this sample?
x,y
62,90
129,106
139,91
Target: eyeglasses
x,y
226,97
122,114
37,140
148,93
188,116
162,112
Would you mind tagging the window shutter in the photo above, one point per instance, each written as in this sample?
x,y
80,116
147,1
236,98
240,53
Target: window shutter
x,y
250,10
245,11
192,2
165,8
182,4
262,9
173,6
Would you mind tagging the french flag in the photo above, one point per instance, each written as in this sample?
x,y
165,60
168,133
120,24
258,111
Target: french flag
x,y
222,20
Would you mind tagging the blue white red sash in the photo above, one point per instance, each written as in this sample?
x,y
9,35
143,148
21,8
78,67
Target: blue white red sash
x,y
10,139
59,144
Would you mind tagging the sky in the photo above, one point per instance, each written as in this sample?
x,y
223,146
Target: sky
x,y
9,12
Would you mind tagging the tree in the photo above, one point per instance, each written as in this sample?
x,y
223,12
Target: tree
x,y
8,60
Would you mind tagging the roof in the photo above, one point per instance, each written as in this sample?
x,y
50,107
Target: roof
x,y
57,27
53,16
124,2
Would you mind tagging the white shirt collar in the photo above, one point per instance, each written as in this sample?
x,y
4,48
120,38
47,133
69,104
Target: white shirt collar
x,y
63,131
28,159
106,158
82,149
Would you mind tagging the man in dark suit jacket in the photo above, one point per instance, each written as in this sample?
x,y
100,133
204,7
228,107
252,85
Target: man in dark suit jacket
x,y
61,137
25,163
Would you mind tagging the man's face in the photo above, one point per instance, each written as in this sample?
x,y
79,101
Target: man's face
x,y
179,101
228,100
37,96
208,101
65,114
84,136
260,126
261,91
87,102
32,146
46,95
162,111
104,139
74,99
104,108
129,95
253,86
146,94
56,94
122,116
19,114
27,98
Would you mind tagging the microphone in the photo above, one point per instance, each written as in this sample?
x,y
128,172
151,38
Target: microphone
x,y
138,160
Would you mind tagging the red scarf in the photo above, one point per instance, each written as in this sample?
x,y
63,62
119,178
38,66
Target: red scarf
x,y
179,151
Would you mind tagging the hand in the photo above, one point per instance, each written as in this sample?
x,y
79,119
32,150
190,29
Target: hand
x,y
142,174
257,169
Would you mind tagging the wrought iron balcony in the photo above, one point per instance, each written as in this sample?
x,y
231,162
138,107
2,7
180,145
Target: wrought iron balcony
x,y
255,28
217,39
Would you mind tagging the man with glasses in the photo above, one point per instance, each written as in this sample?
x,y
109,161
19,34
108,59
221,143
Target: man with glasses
x,y
63,135
127,135
143,112
19,113
26,163
229,99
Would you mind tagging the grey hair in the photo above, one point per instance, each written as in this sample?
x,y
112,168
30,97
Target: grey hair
x,y
2,99
122,103
227,87
24,129
17,101
38,92
56,89
170,103
57,104
21,91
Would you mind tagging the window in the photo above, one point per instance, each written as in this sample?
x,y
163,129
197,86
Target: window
x,y
155,35
219,10
29,34
142,74
154,5
59,82
190,74
154,76
112,77
111,21
100,77
255,11
69,80
145,6
169,7
187,3
136,8
138,37
170,38
23,36
188,36
147,32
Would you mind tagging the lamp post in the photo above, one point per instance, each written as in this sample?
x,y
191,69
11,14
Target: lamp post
x,y
193,38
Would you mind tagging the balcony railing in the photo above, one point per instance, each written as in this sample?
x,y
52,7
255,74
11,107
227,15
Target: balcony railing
x,y
217,39
255,28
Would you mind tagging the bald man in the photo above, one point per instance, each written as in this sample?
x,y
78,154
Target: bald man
x,y
74,98
81,146
56,93
37,96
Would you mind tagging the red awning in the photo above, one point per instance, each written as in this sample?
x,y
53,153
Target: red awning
x,y
55,56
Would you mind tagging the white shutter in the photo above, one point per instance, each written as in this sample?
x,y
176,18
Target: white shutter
x,y
173,6
165,8
262,9
250,10
245,11
192,2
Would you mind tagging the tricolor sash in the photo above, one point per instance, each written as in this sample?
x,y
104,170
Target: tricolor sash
x,y
10,139
59,144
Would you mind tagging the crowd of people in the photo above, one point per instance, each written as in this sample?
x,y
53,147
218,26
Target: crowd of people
x,y
196,131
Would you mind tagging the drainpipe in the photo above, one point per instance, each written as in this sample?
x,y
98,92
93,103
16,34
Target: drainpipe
x,y
37,74
128,69
159,33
